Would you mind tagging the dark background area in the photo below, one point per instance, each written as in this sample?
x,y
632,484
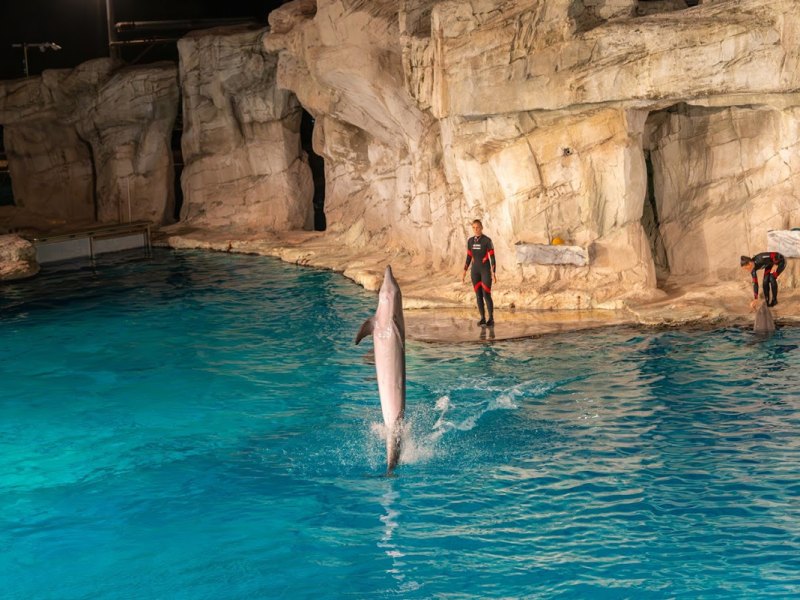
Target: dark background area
x,y
80,28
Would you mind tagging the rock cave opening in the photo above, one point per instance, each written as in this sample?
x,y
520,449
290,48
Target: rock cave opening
x,y
177,162
693,161
661,196
652,6
652,225
6,191
317,164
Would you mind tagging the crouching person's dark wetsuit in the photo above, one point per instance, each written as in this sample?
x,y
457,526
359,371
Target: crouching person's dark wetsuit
x,y
768,261
480,252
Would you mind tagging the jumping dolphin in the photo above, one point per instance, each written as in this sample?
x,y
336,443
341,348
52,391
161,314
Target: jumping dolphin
x,y
763,323
389,338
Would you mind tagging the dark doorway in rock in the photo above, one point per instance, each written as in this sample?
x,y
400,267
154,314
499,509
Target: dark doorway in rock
x,y
652,7
177,163
6,191
317,164
669,6
652,225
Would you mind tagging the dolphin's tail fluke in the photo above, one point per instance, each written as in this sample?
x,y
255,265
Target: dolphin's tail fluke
x,y
393,445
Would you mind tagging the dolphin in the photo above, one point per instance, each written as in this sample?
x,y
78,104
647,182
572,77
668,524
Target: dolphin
x,y
763,323
388,331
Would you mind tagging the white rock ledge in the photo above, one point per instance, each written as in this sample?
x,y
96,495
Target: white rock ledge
x,y
546,254
785,241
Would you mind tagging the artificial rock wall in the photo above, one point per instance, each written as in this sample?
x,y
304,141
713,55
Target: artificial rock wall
x,y
725,175
541,118
94,144
91,144
662,138
128,124
244,167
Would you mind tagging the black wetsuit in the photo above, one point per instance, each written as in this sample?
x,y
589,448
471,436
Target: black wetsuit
x,y
766,261
480,252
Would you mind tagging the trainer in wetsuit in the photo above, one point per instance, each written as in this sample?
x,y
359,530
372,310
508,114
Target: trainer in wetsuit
x,y
480,252
766,261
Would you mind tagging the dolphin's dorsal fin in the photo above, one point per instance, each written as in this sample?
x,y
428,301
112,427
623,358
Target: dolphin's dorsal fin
x,y
367,327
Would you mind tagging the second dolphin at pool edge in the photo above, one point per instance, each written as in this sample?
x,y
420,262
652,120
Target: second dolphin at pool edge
x,y
764,325
388,331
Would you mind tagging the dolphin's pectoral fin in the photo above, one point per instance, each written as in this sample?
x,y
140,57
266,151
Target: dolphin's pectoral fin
x,y
367,327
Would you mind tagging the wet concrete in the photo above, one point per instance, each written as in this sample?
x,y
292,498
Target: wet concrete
x,y
459,325
439,307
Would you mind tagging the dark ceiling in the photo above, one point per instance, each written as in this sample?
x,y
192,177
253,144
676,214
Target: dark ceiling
x,y
80,28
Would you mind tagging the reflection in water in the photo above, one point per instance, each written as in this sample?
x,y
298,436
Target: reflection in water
x,y
387,543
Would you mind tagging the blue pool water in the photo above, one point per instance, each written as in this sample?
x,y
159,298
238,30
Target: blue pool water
x,y
201,425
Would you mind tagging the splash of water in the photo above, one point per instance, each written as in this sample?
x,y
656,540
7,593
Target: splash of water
x,y
426,428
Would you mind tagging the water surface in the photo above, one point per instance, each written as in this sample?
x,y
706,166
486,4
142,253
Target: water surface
x,y
200,425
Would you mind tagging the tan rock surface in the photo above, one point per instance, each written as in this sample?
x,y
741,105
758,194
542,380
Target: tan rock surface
x,y
244,168
92,143
51,167
492,58
663,141
438,307
128,124
17,258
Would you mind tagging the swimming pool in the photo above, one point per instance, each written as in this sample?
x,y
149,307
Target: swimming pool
x,y
200,425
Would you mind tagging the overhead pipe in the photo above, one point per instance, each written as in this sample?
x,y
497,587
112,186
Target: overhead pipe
x,y
176,24
152,40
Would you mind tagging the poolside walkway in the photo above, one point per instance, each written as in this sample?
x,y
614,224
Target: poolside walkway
x,y
460,324
439,308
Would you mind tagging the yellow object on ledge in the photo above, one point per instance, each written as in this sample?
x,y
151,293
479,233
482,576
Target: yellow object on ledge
x,y
556,241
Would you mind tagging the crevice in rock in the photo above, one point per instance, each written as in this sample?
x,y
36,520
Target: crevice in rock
x,y
177,162
652,226
317,164
651,7
6,189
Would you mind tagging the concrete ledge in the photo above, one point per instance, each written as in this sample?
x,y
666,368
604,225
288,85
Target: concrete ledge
x,y
88,243
785,241
547,254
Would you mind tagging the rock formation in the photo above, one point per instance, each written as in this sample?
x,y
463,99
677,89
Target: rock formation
x,y
244,168
17,258
128,123
544,119
659,139
51,167
92,143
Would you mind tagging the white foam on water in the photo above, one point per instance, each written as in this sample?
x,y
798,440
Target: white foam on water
x,y
427,428
378,429
421,445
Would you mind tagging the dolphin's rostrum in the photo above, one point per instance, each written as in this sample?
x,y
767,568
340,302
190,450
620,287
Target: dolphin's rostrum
x,y
763,323
389,337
